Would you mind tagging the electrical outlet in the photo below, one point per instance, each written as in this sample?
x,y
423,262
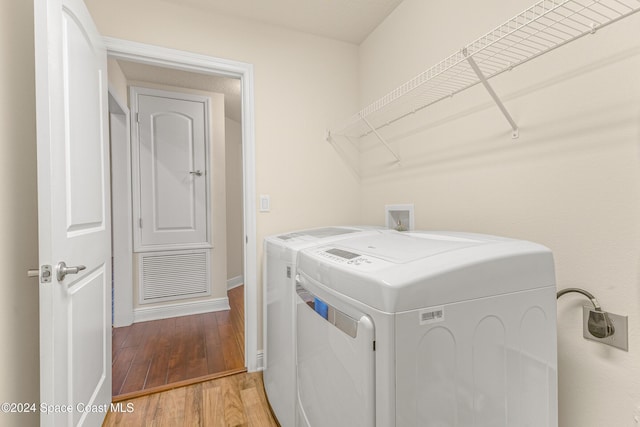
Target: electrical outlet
x,y
620,338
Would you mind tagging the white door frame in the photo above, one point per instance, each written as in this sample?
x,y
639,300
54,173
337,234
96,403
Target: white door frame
x,y
187,61
121,217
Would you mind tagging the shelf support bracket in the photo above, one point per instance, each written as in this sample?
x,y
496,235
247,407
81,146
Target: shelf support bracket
x,y
382,140
515,132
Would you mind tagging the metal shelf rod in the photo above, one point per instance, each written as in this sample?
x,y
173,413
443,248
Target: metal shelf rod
x,y
384,142
495,96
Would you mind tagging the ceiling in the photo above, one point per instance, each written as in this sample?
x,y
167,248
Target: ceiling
x,y
347,20
138,72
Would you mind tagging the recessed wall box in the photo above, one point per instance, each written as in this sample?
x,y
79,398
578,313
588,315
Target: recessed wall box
x,y
399,217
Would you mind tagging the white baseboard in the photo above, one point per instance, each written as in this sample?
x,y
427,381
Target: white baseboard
x,y
143,314
234,282
260,360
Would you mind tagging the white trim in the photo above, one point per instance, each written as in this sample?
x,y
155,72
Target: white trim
x,y
171,58
177,247
120,146
143,314
260,360
234,282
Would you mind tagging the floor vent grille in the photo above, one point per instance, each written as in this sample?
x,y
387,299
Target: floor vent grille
x,y
174,275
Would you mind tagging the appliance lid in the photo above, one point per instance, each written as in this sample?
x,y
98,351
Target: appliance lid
x,y
401,248
395,272
318,233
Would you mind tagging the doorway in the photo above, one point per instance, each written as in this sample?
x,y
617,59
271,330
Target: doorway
x,y
243,270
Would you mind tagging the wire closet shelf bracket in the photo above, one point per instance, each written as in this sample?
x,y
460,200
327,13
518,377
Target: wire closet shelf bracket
x,y
543,27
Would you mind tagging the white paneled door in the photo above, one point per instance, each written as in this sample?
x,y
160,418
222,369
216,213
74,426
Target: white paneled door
x,y
171,169
73,215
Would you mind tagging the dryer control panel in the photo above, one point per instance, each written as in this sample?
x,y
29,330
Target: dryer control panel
x,y
343,257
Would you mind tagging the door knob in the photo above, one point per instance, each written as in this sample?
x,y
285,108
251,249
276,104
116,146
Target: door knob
x,y
62,270
196,173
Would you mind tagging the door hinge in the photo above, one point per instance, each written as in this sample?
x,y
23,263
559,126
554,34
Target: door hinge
x,y
137,117
374,346
140,222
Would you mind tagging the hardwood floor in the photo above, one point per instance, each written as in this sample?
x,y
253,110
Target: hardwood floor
x,y
236,400
147,355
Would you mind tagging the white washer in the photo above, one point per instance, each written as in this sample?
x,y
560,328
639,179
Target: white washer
x,y
280,253
426,329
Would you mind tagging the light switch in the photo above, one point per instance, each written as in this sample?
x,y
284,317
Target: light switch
x,y
265,203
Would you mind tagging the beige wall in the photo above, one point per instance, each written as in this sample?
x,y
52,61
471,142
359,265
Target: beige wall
x,y
571,181
19,366
302,83
234,193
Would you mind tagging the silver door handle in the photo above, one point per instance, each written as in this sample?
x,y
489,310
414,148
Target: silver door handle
x,y
196,173
62,270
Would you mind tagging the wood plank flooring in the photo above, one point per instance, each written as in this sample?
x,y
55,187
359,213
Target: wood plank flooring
x,y
236,400
152,354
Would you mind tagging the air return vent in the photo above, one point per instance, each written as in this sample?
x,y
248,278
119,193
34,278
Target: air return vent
x,y
166,276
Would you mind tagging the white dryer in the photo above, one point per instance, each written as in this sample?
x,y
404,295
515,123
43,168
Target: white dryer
x,y
426,329
280,253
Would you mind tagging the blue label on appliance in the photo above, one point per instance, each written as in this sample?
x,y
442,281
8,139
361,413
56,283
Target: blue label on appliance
x,y
321,308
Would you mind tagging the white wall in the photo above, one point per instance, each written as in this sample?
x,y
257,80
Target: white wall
x,y
235,233
302,83
19,358
571,181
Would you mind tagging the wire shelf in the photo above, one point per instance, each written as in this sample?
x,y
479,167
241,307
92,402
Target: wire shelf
x,y
539,29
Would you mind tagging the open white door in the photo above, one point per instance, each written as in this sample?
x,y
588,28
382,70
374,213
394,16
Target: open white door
x,y
73,215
